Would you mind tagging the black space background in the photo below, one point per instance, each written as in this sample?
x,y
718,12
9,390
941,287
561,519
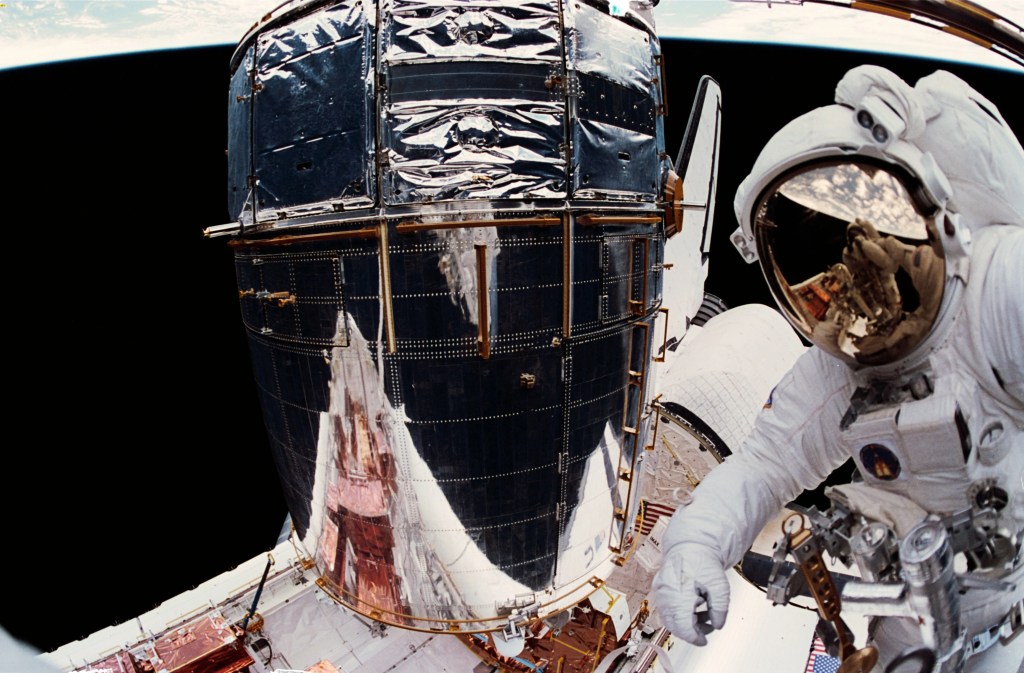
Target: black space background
x,y
136,464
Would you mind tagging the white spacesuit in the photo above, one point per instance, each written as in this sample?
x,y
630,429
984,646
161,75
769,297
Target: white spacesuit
x,y
889,228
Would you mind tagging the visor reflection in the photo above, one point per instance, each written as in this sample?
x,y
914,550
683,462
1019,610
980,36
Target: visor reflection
x,y
851,260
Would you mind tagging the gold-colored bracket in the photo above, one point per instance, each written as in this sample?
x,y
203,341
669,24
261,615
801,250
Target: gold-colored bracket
x,y
571,647
819,580
350,600
636,379
591,220
282,299
623,559
656,408
638,305
673,204
304,238
566,276
483,318
659,60
664,338
385,289
599,644
409,227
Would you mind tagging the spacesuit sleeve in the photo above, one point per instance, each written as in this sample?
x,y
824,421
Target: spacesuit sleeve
x,y
792,447
1002,312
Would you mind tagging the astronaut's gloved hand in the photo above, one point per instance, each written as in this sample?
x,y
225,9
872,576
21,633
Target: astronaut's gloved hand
x,y
690,577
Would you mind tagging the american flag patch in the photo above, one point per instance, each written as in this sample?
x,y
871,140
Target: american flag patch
x,y
818,661
649,513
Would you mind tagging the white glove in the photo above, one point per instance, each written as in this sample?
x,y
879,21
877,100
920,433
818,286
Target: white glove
x,y
690,576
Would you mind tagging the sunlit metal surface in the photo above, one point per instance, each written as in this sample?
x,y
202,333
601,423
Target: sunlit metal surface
x,y
313,104
449,267
613,67
507,144
435,30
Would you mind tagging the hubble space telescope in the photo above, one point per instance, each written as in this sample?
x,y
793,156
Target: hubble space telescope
x,y
450,250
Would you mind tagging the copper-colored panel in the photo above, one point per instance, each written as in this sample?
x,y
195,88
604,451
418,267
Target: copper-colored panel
x,y
207,645
576,647
119,662
323,666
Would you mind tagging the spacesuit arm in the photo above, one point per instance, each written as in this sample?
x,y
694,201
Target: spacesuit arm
x,y
788,450
792,447
1002,310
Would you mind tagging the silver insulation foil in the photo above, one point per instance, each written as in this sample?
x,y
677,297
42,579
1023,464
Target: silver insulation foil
x,y
314,135
450,269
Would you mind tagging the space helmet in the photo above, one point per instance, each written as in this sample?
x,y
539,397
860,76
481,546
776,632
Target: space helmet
x,y
856,232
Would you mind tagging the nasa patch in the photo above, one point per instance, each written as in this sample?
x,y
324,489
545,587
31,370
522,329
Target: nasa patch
x,y
880,461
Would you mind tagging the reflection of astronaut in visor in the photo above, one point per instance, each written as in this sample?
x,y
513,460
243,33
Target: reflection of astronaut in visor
x,y
853,255
889,315
827,298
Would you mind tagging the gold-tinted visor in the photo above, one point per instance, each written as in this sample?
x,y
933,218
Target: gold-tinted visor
x,y
853,258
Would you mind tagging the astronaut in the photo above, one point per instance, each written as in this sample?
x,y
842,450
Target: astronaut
x,y
890,229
